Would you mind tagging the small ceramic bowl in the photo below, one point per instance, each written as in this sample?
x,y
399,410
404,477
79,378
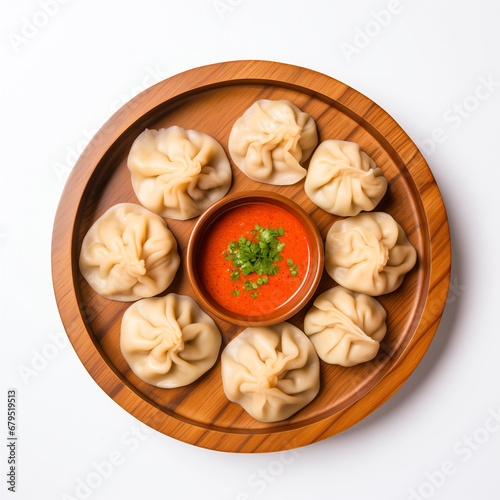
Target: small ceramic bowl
x,y
310,281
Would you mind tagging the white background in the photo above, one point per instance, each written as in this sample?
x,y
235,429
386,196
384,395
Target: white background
x,y
65,72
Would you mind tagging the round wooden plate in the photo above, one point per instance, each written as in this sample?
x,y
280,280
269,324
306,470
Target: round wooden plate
x,y
209,99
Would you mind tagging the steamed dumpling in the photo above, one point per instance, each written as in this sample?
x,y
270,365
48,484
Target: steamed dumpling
x,y
271,139
169,341
129,253
343,180
368,253
178,173
345,327
272,372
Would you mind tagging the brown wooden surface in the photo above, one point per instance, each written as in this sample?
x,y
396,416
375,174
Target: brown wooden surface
x,y
210,99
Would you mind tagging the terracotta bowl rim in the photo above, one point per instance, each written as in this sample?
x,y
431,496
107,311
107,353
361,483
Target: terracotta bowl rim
x,y
314,273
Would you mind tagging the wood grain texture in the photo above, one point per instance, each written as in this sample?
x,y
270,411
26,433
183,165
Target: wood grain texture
x,y
210,99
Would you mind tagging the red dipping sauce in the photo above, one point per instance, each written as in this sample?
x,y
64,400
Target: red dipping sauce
x,y
216,271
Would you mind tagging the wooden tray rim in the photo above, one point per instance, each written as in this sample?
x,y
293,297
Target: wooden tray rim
x,y
227,73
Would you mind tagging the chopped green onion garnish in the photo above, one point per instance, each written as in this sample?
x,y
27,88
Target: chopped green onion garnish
x,y
258,256
279,247
253,295
236,293
246,268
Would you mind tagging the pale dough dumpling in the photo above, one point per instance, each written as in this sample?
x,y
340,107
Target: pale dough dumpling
x,y
270,141
178,173
169,341
345,327
271,371
343,180
368,253
129,253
